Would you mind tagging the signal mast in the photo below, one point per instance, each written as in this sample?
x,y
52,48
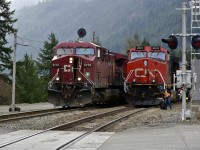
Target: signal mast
x,y
183,76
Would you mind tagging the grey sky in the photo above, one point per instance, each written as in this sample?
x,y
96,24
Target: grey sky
x,y
18,4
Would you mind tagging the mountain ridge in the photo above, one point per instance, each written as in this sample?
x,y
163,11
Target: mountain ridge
x,y
114,21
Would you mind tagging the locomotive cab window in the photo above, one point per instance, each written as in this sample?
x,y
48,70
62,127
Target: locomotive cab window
x,y
135,55
85,51
64,51
157,55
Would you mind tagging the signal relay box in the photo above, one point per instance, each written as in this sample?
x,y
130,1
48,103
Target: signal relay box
x,y
183,78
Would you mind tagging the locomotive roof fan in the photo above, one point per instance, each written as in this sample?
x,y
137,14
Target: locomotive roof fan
x,y
81,32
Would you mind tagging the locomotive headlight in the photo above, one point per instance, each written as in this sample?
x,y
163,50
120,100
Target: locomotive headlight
x,y
145,63
153,81
79,78
70,60
57,79
134,80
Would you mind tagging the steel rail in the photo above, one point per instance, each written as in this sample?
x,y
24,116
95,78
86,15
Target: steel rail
x,y
83,120
78,138
63,126
29,114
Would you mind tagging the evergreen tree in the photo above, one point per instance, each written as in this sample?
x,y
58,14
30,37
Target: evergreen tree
x,y
6,27
145,43
44,60
46,55
30,87
132,42
135,41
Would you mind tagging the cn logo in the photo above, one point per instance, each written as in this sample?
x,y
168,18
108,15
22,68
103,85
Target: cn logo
x,y
142,73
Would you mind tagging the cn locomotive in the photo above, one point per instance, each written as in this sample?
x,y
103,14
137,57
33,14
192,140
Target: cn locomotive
x,y
85,73
150,70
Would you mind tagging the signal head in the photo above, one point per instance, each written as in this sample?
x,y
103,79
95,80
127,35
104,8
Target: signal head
x,y
81,32
171,41
196,42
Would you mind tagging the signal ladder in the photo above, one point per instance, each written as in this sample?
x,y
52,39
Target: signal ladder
x,y
195,15
195,20
195,29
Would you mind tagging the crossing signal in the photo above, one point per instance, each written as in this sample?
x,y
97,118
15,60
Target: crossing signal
x,y
171,41
196,42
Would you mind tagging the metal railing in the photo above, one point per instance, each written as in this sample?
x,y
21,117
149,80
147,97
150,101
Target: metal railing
x,y
131,72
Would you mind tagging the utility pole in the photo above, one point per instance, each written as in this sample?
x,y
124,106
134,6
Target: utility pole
x,y
13,107
184,34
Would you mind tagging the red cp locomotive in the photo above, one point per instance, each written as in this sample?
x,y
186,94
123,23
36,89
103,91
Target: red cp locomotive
x,y
84,73
150,70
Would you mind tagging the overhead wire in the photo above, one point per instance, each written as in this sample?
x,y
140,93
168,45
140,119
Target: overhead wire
x,y
24,40
29,39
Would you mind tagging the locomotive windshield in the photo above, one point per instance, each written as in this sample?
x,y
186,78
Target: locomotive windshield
x,y
157,55
64,51
85,51
135,55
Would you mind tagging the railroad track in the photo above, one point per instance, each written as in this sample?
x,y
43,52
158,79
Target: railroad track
x,y
29,114
78,122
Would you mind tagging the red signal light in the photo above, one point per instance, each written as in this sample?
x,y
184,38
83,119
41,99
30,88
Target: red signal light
x,y
196,42
171,41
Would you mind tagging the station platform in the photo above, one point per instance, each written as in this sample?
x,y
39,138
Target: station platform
x,y
151,137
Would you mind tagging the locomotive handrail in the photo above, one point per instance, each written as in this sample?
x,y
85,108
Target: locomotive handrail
x,y
90,81
125,81
50,83
160,76
129,74
55,75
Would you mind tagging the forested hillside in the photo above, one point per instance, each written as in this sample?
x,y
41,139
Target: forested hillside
x,y
113,20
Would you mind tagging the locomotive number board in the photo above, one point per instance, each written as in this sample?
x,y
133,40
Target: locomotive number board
x,y
155,48
140,48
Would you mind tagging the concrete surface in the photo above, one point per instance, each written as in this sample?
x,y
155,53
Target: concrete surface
x,y
4,109
52,139
156,137
152,137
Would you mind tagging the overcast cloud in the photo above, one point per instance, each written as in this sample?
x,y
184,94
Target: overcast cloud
x,y
18,4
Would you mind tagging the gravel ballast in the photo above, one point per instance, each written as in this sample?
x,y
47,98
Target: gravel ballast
x,y
152,116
